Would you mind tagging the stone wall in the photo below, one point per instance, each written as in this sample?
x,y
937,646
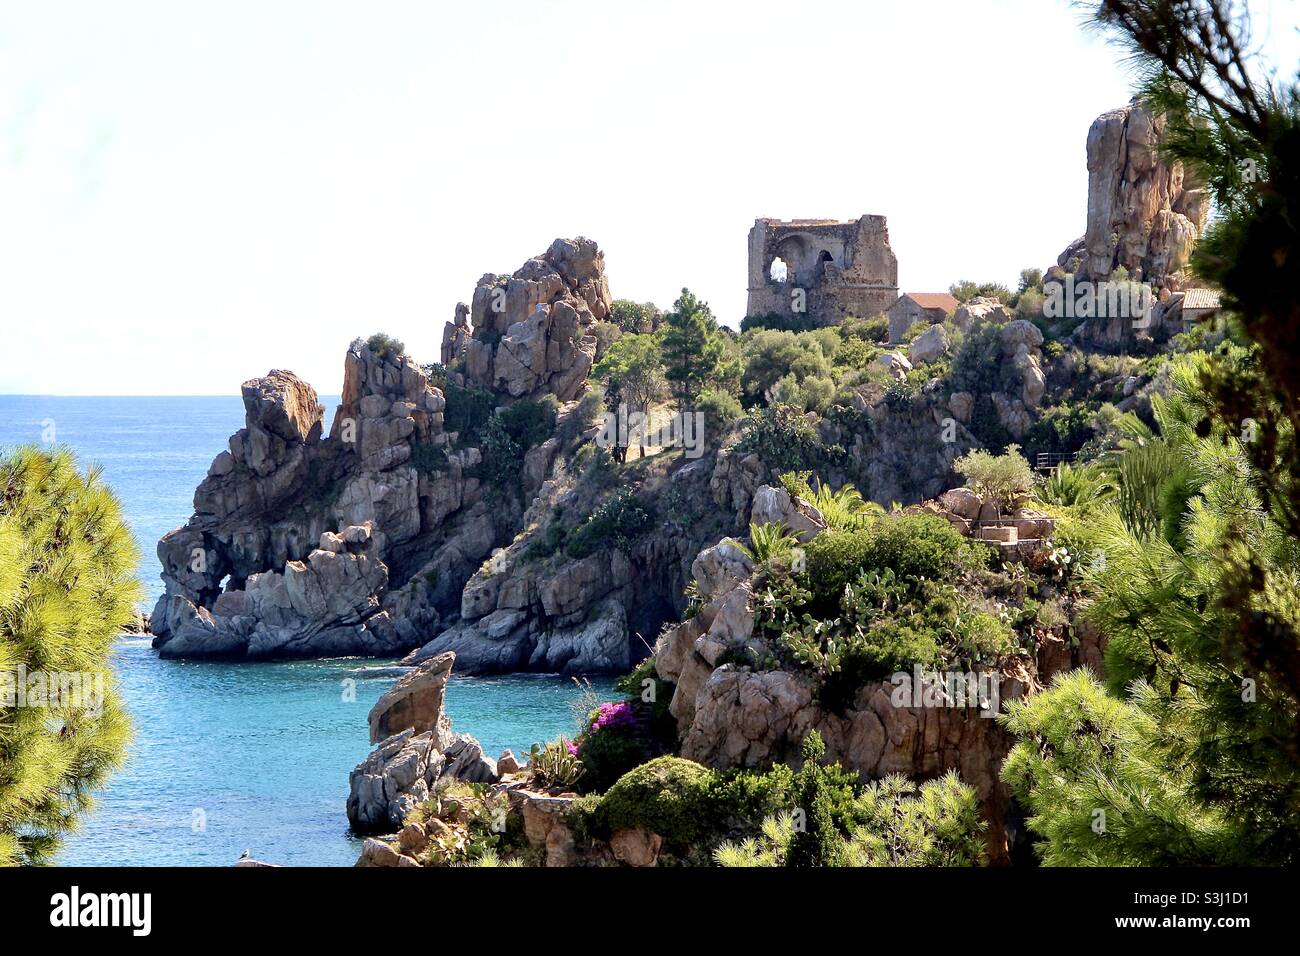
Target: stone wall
x,y
839,269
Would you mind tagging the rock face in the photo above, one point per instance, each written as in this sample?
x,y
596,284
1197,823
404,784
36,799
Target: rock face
x,y
416,747
531,330
307,546
568,614
1143,214
414,702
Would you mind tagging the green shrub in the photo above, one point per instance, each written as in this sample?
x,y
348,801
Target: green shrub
x,y
384,346
508,436
467,411
1003,479
668,796
782,437
722,412
67,589
427,458
617,523
911,546
609,753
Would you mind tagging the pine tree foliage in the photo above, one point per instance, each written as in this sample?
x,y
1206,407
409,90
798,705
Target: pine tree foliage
x,y
693,348
818,842
1097,790
936,823
1202,763
67,587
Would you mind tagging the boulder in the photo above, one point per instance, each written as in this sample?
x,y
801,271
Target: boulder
x,y
773,505
895,363
415,702
720,568
979,310
635,846
930,346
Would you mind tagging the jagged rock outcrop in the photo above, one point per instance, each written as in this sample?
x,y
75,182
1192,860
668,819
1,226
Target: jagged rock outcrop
x,y
564,614
416,747
1144,213
531,330
456,335
307,546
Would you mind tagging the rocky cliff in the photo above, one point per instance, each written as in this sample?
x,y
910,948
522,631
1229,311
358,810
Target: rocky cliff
x,y
389,534
528,334
303,544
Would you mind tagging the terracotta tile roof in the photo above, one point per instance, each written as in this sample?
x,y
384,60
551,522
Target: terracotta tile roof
x,y
933,300
1201,299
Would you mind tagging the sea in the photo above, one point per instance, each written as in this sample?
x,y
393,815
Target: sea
x,y
232,757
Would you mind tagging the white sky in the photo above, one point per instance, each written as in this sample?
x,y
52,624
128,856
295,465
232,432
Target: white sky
x,y
190,198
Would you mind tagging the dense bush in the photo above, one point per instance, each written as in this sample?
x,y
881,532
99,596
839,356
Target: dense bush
x,y
978,365
508,436
668,796
722,413
617,522
782,437
467,411
384,346
911,546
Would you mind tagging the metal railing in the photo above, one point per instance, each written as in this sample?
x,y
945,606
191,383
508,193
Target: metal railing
x,y
1047,460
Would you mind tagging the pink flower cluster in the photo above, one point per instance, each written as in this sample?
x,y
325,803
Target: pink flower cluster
x,y
613,715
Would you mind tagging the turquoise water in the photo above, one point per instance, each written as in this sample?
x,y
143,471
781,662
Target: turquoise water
x,y
228,757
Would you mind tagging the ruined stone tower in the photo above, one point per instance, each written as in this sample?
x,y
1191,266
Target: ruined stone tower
x,y
832,270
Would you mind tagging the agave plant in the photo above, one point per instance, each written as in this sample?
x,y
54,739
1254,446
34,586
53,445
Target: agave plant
x,y
555,765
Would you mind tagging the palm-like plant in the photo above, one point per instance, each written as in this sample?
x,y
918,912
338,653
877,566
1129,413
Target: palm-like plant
x,y
1071,486
845,509
769,541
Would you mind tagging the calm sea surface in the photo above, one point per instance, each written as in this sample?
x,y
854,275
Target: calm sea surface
x,y
233,756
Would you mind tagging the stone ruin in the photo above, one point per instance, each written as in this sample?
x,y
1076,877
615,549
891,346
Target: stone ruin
x,y
833,270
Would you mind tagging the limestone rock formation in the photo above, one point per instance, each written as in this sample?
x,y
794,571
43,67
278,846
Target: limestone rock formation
x,y
1144,214
532,330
